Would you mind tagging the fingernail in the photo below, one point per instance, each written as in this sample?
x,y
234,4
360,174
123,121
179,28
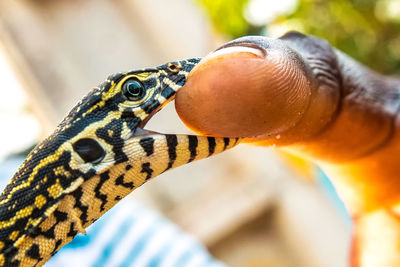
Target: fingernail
x,y
254,50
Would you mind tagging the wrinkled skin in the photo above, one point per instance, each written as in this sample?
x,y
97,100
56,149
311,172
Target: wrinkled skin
x,y
302,95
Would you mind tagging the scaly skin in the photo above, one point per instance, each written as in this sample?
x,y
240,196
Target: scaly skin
x,y
96,156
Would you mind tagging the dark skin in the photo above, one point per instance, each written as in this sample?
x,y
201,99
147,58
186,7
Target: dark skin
x,y
302,95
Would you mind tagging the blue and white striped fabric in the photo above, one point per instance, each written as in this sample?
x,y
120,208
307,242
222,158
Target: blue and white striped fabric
x,y
327,186
128,235
131,235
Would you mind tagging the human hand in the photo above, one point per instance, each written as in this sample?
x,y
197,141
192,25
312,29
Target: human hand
x,y
300,94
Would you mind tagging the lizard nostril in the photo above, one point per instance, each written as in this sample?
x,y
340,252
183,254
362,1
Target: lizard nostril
x,y
89,150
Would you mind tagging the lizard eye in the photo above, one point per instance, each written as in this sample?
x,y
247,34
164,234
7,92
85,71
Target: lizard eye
x,y
89,150
133,90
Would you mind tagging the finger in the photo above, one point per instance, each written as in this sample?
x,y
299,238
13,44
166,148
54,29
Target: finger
x,y
245,90
293,91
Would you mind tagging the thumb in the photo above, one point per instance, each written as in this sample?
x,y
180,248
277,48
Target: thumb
x,y
254,87
293,91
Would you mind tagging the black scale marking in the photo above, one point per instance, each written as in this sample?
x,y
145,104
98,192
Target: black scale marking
x,y
146,169
147,143
103,197
172,142
193,143
120,181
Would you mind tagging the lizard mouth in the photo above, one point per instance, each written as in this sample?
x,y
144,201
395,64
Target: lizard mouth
x,y
140,129
140,132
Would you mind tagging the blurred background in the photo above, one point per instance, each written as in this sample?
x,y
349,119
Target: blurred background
x,y
250,206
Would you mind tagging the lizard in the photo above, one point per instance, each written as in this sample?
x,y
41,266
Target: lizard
x,y
96,156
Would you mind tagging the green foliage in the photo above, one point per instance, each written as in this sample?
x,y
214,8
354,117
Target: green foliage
x,y
368,30
227,16
354,27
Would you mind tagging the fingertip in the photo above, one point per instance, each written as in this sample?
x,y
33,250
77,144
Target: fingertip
x,y
243,91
